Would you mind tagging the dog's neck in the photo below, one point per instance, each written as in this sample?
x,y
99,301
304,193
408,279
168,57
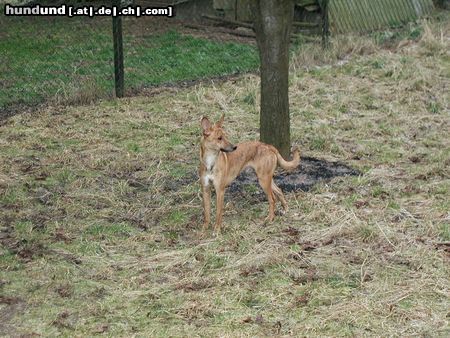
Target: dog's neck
x,y
209,159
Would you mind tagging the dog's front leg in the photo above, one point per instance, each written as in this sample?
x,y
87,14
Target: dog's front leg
x,y
206,194
220,192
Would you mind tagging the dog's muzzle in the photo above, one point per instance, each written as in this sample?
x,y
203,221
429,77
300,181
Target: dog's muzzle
x,y
228,149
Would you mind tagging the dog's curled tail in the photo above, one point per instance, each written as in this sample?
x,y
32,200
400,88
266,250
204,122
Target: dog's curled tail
x,y
289,165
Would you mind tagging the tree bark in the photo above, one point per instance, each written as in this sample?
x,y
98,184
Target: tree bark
x,y
273,22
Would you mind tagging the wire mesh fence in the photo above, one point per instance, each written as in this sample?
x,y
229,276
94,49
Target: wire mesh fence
x,y
54,58
61,59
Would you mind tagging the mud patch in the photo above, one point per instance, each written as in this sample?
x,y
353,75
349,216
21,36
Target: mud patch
x,y
9,307
310,172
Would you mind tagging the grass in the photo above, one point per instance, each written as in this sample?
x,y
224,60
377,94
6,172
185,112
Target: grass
x,y
100,210
67,60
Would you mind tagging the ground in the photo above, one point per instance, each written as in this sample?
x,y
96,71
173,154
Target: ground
x,y
101,213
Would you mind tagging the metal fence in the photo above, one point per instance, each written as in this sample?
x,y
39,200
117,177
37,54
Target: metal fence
x,y
57,59
369,15
54,58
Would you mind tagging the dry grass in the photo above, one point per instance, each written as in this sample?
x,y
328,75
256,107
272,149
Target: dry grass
x,y
100,211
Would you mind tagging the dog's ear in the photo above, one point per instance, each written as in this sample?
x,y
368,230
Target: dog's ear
x,y
206,126
220,122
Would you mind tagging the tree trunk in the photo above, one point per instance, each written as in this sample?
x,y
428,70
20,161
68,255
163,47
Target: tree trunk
x,y
273,22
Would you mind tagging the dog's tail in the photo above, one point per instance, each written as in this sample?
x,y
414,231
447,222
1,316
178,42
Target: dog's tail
x,y
289,165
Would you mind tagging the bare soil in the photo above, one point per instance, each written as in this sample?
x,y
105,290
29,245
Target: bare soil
x,y
310,172
9,307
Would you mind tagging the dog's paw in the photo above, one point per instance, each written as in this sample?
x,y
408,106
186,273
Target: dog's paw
x,y
217,230
201,235
280,213
268,220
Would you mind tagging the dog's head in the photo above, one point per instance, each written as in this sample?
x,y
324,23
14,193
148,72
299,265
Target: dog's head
x,y
214,137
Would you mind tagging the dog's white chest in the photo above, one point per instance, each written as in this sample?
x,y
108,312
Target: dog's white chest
x,y
209,162
208,177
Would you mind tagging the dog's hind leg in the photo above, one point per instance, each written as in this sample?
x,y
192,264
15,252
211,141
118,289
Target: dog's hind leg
x,y
266,184
265,167
279,195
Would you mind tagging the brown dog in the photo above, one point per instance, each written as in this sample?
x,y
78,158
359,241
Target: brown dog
x,y
221,162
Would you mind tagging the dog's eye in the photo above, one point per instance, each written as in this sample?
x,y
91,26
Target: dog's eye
x,y
220,138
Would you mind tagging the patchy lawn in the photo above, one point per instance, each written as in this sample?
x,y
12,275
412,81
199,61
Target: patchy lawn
x,y
100,210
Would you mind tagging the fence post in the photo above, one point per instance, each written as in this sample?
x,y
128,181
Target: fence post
x,y
325,24
118,51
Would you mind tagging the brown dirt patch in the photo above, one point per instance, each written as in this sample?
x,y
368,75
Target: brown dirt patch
x,y
310,172
9,306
